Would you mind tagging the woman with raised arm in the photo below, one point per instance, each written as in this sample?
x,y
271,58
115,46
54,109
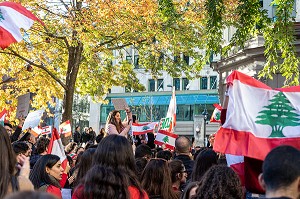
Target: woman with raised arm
x,y
114,125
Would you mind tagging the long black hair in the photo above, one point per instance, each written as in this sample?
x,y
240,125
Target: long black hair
x,y
7,162
38,174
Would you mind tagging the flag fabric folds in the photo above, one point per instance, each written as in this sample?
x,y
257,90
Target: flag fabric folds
x,y
166,138
14,16
258,118
2,116
140,129
172,111
216,116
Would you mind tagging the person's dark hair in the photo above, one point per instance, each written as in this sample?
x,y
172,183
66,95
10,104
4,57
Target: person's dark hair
x,y
110,183
281,167
140,164
115,151
164,154
25,137
206,159
143,150
70,147
186,192
79,148
199,151
30,195
8,124
7,162
176,166
85,164
76,128
134,118
112,120
156,179
42,144
38,174
101,135
20,147
182,144
219,182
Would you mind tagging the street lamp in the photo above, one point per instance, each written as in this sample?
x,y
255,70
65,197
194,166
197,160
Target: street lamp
x,y
205,114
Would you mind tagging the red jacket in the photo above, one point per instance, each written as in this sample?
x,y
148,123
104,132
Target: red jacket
x,y
54,190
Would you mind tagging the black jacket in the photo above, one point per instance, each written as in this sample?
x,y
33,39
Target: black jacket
x,y
77,137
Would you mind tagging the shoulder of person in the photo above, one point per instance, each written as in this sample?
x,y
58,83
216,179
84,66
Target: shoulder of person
x,y
135,193
25,184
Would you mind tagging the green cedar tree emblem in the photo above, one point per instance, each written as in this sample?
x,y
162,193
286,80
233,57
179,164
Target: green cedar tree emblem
x,y
217,116
166,139
145,128
1,16
278,114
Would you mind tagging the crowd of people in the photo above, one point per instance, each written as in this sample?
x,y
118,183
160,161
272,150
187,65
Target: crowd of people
x,y
108,166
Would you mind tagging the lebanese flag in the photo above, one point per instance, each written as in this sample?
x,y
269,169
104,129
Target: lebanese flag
x,y
65,128
13,17
216,116
140,129
237,164
56,148
258,118
165,138
172,111
36,131
2,117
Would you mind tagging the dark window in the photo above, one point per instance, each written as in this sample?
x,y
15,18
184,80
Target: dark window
x,y
127,89
151,85
160,84
176,83
213,82
203,83
136,61
186,59
185,84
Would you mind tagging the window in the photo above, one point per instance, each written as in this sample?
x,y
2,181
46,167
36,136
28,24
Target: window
x,y
203,83
213,82
186,59
176,83
185,84
151,85
160,84
136,61
129,58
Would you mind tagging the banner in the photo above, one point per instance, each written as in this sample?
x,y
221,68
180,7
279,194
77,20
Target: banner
x,y
140,129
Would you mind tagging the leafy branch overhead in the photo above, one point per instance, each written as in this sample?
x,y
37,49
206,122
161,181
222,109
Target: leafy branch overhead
x,y
82,46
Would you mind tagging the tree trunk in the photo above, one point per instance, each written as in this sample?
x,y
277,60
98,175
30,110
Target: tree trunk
x,y
75,53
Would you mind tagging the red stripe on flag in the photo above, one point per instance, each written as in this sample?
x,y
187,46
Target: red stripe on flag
x,y
235,142
162,143
9,39
140,124
239,170
289,89
168,133
142,132
18,7
236,75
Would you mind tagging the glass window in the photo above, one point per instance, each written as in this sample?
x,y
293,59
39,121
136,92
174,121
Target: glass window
x,y
213,82
203,83
186,59
160,84
185,84
176,83
185,112
136,61
129,58
151,85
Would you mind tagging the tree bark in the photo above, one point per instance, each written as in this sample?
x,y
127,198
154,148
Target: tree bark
x,y
75,55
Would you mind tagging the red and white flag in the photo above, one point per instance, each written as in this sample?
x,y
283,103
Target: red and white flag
x,y
140,129
216,116
258,118
2,116
56,148
14,16
172,111
36,131
165,138
65,128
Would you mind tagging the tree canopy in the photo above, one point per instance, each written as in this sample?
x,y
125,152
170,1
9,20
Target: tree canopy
x,y
81,47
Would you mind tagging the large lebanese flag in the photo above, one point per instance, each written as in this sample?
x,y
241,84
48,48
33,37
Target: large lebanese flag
x,y
172,111
165,138
140,129
14,16
258,118
56,148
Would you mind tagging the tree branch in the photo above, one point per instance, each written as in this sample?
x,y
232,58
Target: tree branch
x,y
39,66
